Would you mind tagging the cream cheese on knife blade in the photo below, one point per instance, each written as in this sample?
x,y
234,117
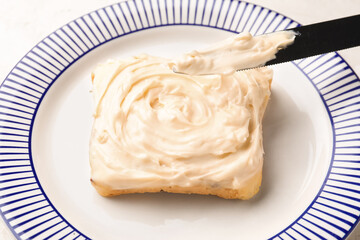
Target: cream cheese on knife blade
x,y
241,51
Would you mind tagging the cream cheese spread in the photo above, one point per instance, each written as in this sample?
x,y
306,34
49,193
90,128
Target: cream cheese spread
x,y
241,51
155,128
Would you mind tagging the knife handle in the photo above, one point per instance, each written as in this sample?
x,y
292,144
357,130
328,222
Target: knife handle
x,y
321,38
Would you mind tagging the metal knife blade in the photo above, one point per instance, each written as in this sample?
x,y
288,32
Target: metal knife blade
x,y
319,38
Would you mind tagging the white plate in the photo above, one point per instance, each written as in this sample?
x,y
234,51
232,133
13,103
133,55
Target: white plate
x,y
311,129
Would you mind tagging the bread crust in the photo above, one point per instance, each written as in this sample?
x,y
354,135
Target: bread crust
x,y
249,189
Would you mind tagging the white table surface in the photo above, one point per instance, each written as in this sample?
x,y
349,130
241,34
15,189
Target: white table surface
x,y
23,23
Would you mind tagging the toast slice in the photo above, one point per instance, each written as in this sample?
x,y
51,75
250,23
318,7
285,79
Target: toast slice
x,y
155,130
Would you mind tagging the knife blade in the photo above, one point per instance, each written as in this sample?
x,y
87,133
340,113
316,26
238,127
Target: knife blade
x,y
320,38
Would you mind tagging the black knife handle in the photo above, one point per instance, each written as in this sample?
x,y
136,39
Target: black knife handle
x,y
321,38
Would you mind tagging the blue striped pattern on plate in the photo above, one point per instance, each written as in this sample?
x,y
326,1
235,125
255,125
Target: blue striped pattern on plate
x,y
23,203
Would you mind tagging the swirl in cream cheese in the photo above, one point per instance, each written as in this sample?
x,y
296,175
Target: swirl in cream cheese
x,y
155,128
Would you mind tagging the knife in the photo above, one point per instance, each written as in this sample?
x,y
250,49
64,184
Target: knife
x,y
319,38
310,40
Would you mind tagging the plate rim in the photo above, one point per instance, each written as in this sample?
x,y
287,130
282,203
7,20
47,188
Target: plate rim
x,y
146,28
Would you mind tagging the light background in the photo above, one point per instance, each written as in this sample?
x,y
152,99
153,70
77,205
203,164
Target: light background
x,y
23,23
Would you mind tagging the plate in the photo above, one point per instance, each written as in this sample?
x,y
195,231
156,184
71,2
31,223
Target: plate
x,y
310,184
